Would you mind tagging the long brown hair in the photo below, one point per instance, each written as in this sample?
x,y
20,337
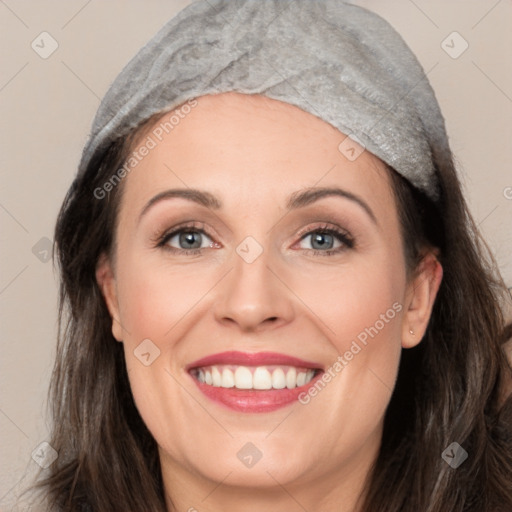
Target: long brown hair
x,y
449,388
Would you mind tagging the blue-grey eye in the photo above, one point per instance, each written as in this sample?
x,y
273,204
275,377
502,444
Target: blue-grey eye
x,y
189,240
321,241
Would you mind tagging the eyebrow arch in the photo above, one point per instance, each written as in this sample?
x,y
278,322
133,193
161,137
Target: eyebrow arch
x,y
197,196
307,196
296,200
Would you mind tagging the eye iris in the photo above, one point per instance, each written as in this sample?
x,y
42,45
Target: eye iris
x,y
188,238
323,239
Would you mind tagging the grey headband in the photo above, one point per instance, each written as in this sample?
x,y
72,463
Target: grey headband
x,y
337,61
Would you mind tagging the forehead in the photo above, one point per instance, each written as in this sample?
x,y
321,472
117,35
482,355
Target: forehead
x,y
253,148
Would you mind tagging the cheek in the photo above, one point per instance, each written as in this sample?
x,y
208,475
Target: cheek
x,y
360,308
158,302
154,296
360,301
153,301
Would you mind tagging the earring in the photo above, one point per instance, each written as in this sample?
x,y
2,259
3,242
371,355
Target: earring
x,y
411,332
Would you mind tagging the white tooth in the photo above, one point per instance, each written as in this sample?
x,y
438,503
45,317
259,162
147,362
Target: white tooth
x,y
301,379
310,375
200,376
243,378
208,377
278,379
291,378
216,377
228,380
261,378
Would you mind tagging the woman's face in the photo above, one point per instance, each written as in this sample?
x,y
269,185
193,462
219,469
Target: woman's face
x,y
249,229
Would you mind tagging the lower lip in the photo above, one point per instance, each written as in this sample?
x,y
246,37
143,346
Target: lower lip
x,y
248,400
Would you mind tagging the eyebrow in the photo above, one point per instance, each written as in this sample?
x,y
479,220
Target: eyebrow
x,y
298,199
305,197
197,196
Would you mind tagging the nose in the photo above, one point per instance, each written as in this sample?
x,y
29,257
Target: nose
x,y
254,297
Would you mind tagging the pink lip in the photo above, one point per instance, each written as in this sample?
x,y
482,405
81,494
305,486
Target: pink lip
x,y
253,359
243,400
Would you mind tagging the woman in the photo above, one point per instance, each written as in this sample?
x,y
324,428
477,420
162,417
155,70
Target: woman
x,y
273,294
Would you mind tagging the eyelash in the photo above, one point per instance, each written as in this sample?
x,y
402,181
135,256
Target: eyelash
x,y
344,237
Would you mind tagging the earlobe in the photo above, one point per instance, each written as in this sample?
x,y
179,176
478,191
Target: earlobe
x,y
422,292
107,284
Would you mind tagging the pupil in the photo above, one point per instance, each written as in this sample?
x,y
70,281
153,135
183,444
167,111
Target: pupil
x,y
188,238
323,239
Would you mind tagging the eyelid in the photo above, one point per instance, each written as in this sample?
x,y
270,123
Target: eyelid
x,y
324,226
186,224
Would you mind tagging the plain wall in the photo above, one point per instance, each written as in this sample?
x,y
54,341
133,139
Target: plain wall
x,y
47,106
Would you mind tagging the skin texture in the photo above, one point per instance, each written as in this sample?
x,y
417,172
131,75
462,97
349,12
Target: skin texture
x,y
252,153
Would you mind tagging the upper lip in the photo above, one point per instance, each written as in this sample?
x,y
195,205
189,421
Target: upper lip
x,y
253,359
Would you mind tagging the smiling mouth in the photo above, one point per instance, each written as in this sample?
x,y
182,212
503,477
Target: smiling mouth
x,y
254,377
253,382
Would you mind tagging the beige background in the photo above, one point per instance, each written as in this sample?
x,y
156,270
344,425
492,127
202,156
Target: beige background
x,y
47,106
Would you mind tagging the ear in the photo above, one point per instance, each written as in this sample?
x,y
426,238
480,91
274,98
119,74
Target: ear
x,y
107,283
421,293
